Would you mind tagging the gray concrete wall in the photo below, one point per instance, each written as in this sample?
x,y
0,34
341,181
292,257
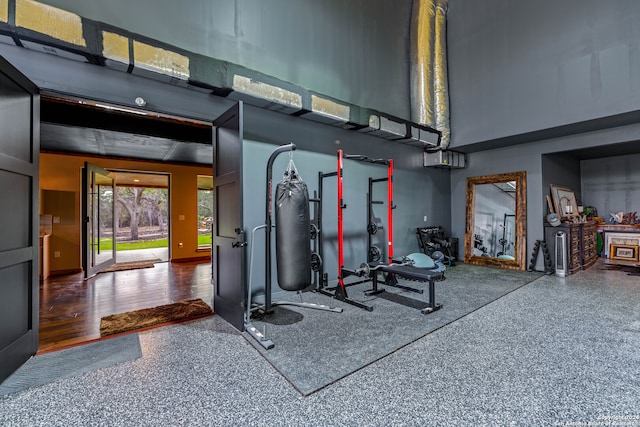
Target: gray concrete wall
x,y
611,184
525,66
355,51
560,169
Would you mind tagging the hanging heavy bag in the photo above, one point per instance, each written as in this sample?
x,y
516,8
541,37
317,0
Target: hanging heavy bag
x,y
293,240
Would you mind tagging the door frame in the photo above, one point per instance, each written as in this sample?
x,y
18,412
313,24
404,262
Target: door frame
x,y
88,253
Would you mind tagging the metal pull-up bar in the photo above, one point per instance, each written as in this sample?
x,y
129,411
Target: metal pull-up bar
x,y
341,206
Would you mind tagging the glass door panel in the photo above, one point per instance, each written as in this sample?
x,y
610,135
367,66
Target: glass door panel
x,y
98,211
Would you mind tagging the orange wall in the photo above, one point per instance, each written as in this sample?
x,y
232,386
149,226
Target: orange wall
x,y
63,173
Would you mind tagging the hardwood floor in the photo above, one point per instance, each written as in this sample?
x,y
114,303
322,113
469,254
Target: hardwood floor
x,y
71,308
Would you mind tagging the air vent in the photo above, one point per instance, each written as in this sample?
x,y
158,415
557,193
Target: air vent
x,y
444,159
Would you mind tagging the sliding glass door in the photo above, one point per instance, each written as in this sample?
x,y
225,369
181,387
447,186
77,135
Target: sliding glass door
x,y
99,247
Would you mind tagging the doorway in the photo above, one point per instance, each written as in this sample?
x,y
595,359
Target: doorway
x,y
126,219
145,155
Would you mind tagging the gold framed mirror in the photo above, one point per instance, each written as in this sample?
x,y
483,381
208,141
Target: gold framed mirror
x,y
496,226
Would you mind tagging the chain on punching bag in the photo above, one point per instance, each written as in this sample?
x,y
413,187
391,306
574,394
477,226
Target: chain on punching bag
x,y
293,236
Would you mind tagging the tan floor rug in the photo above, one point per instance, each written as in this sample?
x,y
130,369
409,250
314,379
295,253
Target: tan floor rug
x,y
131,265
139,319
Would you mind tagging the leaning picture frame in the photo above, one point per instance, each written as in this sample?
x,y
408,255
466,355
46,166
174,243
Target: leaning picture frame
x,y
564,201
623,252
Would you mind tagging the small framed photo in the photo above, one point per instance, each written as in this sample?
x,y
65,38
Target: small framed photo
x,y
623,252
564,201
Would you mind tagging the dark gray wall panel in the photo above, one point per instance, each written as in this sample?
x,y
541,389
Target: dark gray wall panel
x,y
353,50
15,109
560,169
522,66
611,184
15,301
15,192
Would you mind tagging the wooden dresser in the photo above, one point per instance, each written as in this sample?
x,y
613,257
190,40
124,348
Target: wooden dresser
x,y
581,252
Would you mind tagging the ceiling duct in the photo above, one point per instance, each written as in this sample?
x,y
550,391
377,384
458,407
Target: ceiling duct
x,y
402,131
327,111
264,95
421,137
385,127
430,139
151,59
160,64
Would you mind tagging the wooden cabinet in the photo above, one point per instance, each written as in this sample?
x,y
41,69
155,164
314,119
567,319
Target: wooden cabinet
x,y
581,252
589,244
44,256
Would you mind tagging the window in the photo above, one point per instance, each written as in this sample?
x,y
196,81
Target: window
x,y
205,210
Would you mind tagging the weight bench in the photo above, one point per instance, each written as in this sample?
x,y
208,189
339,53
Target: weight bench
x,y
392,271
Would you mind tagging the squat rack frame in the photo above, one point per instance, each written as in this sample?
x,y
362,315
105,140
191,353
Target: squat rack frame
x,y
340,291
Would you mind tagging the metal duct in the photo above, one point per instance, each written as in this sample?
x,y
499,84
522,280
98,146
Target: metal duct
x,y
429,83
422,29
327,111
440,80
265,95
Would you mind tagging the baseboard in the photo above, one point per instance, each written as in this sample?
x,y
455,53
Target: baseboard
x,y
192,259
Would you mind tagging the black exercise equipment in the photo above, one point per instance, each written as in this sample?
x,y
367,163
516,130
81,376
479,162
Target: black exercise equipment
x,y
293,276
293,237
541,246
504,242
432,241
313,231
372,228
316,262
409,272
374,254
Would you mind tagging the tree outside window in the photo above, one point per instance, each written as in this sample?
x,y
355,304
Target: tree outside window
x,y
205,210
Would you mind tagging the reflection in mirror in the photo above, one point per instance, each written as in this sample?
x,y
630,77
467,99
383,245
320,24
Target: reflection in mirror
x,y
496,219
494,213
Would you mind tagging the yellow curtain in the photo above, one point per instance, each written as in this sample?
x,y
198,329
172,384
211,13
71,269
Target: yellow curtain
x,y
429,85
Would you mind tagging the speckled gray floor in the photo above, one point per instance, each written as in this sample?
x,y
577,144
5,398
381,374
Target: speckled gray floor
x,y
554,351
71,362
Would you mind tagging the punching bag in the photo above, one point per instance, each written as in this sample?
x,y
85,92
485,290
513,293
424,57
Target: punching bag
x,y
293,233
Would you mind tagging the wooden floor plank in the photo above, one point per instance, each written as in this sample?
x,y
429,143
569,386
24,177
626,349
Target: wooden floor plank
x,y
71,307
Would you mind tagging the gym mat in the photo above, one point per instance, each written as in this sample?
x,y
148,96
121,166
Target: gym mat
x,y
315,348
49,367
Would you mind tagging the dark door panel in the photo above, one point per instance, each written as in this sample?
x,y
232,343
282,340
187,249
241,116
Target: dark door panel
x,y
19,218
228,246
